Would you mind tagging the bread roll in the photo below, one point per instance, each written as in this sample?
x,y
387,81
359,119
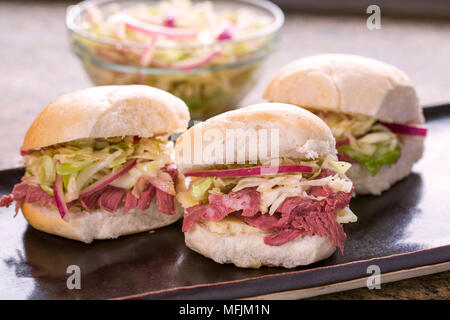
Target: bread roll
x,y
349,84
248,250
107,111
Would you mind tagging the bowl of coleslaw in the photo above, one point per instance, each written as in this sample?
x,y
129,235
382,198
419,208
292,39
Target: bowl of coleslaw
x,y
206,53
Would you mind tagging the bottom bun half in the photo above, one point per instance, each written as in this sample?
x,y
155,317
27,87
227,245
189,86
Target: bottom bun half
x,y
365,183
99,224
248,250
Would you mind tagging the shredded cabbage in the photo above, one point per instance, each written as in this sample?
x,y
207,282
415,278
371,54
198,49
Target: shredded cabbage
x,y
377,148
71,187
83,162
381,156
345,216
342,124
47,170
41,171
86,174
148,168
369,143
206,92
341,167
274,189
127,181
199,189
66,169
47,189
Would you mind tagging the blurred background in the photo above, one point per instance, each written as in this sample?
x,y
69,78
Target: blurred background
x,y
37,64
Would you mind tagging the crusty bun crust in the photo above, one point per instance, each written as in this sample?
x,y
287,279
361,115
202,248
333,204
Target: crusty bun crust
x,y
349,84
99,224
108,111
301,134
247,250
365,183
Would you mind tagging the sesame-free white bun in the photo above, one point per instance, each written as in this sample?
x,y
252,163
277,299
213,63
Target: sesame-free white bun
x,y
298,133
102,112
99,224
349,84
108,111
248,250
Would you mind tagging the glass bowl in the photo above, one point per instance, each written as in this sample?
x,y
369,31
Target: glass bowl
x,y
211,87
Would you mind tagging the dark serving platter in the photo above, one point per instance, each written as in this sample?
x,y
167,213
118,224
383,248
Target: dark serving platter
x,y
405,232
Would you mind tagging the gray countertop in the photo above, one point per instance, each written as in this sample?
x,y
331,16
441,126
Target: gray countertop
x,y
36,66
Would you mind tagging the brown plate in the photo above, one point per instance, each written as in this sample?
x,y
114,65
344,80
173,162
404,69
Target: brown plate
x,y
406,227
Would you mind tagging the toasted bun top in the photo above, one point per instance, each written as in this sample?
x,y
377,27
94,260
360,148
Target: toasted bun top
x,y
258,132
350,84
107,111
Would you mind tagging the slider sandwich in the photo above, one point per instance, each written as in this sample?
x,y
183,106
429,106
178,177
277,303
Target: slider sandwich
x,y
371,107
99,164
265,187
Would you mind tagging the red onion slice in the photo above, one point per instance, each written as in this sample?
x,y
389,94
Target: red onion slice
x,y
26,152
253,171
153,29
394,127
343,157
342,142
100,184
59,196
406,129
169,20
227,33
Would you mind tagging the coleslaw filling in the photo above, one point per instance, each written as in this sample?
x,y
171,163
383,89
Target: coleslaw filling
x,y
363,139
205,53
83,163
173,23
275,188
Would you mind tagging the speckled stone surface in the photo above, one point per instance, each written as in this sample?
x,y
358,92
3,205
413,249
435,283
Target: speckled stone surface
x,y
36,66
435,286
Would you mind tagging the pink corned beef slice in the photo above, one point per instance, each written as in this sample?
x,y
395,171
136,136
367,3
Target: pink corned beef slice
x,y
296,216
108,198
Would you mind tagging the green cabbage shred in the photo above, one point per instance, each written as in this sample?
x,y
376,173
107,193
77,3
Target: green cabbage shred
x,y
84,161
